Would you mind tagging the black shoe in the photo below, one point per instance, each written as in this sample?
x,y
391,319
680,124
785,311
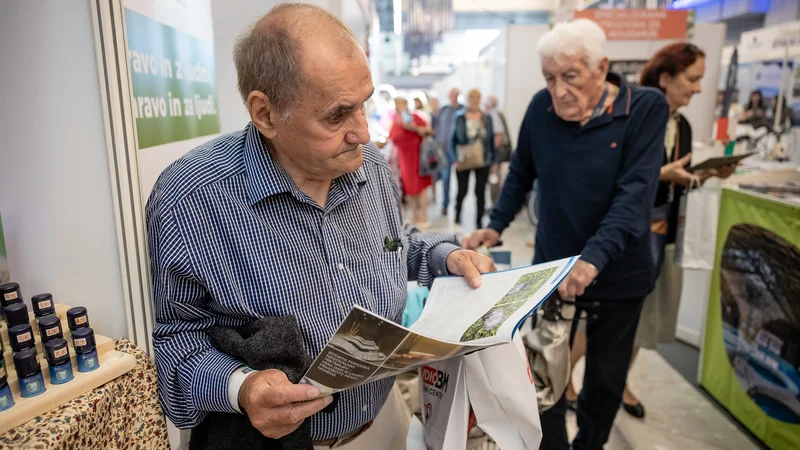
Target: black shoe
x,y
636,410
572,405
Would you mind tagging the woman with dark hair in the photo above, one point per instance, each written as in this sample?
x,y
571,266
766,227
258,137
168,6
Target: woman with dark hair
x,y
755,112
677,71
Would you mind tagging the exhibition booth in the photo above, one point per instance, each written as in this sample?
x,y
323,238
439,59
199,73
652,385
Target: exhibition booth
x,y
162,82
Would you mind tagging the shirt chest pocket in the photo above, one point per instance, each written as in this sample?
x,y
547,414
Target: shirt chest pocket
x,y
382,278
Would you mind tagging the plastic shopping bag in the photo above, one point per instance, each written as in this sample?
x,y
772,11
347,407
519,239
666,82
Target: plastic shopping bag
x,y
696,238
503,396
445,406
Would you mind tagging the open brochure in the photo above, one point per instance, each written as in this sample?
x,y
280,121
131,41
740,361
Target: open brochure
x,y
457,319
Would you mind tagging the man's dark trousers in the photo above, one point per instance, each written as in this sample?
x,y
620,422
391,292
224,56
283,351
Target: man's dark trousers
x,y
610,331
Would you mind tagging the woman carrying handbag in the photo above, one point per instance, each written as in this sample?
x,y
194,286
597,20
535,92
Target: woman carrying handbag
x,y
472,150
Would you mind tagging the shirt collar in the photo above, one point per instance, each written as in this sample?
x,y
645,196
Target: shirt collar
x,y
266,178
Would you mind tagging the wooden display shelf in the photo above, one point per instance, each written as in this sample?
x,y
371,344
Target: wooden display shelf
x,y
112,365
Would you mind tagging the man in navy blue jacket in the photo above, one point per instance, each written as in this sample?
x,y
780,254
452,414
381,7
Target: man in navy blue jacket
x,y
595,143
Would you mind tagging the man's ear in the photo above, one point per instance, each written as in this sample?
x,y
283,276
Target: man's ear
x,y
262,114
603,67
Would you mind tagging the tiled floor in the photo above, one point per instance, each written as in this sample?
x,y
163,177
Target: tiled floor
x,y
678,416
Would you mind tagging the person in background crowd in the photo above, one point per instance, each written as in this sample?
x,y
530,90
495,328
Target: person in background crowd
x,y
434,107
755,112
471,124
676,70
419,107
595,145
266,221
406,134
718,103
502,143
442,128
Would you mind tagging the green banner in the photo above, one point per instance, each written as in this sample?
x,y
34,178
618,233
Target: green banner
x,y
751,353
174,82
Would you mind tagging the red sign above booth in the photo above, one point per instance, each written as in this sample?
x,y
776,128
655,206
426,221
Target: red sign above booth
x,y
638,24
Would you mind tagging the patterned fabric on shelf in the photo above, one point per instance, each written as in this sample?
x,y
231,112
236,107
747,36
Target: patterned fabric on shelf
x,y
121,414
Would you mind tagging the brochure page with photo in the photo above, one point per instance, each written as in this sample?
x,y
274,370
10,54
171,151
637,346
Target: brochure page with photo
x,y
457,319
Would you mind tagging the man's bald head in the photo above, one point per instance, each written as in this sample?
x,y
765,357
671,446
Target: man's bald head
x,y
491,101
274,54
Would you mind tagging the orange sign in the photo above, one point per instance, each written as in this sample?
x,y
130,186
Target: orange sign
x,y
638,24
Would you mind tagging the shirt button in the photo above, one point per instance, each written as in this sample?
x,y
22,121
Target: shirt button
x,y
439,272
341,266
364,408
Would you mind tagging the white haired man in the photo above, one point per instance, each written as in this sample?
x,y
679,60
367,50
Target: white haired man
x,y
502,145
595,145
287,217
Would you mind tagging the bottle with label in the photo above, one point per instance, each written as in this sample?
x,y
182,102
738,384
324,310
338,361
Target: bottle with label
x,y
21,337
6,399
16,314
29,372
10,293
77,317
43,305
50,328
57,353
85,349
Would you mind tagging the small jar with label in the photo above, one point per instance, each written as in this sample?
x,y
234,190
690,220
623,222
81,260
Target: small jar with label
x,y
43,305
85,349
16,314
29,373
6,399
21,337
77,317
50,328
10,293
57,353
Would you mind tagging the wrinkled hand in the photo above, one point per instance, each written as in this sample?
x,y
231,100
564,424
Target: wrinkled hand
x,y
676,172
275,406
578,280
469,265
486,236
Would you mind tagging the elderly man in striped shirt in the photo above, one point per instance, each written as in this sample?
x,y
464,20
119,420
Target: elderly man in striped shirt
x,y
286,217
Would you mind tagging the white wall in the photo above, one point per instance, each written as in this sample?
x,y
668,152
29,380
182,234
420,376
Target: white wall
x,y
55,196
523,77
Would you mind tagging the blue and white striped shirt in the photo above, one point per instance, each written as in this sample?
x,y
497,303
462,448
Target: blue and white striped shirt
x,y
233,239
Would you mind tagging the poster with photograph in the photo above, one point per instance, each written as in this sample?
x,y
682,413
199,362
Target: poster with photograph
x,y
457,319
751,355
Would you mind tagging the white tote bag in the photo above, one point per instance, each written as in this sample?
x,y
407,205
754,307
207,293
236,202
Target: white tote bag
x,y
503,396
696,238
445,406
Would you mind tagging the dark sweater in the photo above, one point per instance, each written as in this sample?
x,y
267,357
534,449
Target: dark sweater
x,y
597,183
684,143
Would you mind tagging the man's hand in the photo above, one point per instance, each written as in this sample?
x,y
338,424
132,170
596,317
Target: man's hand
x,y
486,236
469,265
275,406
578,280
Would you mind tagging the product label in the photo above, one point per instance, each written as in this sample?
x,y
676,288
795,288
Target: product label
x,y
80,320
60,353
44,304
51,331
11,296
80,342
24,337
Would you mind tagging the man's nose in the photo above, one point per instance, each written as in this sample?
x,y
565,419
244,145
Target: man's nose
x,y
359,132
560,89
